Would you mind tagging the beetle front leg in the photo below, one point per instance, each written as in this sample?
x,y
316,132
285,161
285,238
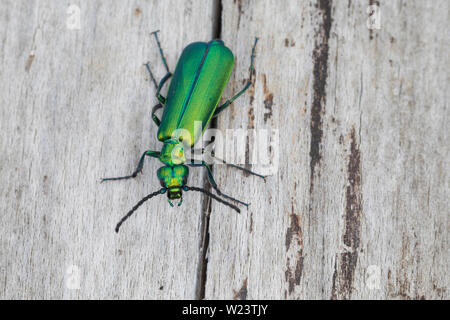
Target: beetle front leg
x,y
149,153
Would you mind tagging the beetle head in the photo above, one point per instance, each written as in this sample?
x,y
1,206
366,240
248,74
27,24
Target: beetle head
x,y
173,179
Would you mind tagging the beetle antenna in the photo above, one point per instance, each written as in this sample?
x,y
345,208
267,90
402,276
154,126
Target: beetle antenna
x,y
151,195
186,188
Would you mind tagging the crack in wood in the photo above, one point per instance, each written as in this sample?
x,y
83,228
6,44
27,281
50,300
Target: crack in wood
x,y
240,11
204,246
268,100
371,3
320,72
344,269
294,233
202,270
242,293
29,62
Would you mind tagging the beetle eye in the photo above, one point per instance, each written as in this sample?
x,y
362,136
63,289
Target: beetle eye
x,y
184,180
162,182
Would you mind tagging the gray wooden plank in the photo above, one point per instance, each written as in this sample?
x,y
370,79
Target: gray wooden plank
x,y
75,106
358,206
356,209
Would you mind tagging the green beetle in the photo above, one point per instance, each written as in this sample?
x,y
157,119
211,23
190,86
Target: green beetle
x,y
200,77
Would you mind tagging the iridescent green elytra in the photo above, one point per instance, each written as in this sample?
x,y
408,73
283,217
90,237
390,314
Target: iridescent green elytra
x,y
197,85
200,77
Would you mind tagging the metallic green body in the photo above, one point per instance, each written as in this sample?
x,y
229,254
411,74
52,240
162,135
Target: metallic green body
x,y
197,85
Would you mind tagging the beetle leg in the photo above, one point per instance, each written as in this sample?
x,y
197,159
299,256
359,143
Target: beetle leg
x,y
230,101
155,33
154,154
154,116
161,83
202,150
238,167
147,65
160,97
212,155
249,83
213,182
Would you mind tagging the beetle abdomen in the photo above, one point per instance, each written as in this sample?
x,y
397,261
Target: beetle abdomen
x,y
197,85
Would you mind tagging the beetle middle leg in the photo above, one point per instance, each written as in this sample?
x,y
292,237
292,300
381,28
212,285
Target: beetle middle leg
x,y
154,154
212,155
213,182
249,83
238,167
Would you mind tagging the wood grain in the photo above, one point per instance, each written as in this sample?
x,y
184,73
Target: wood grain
x,y
355,204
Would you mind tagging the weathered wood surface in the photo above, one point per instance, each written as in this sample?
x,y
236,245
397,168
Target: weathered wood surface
x,y
357,207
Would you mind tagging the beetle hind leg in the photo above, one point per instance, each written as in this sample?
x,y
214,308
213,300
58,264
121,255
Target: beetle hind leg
x,y
155,33
249,83
154,116
147,66
159,86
